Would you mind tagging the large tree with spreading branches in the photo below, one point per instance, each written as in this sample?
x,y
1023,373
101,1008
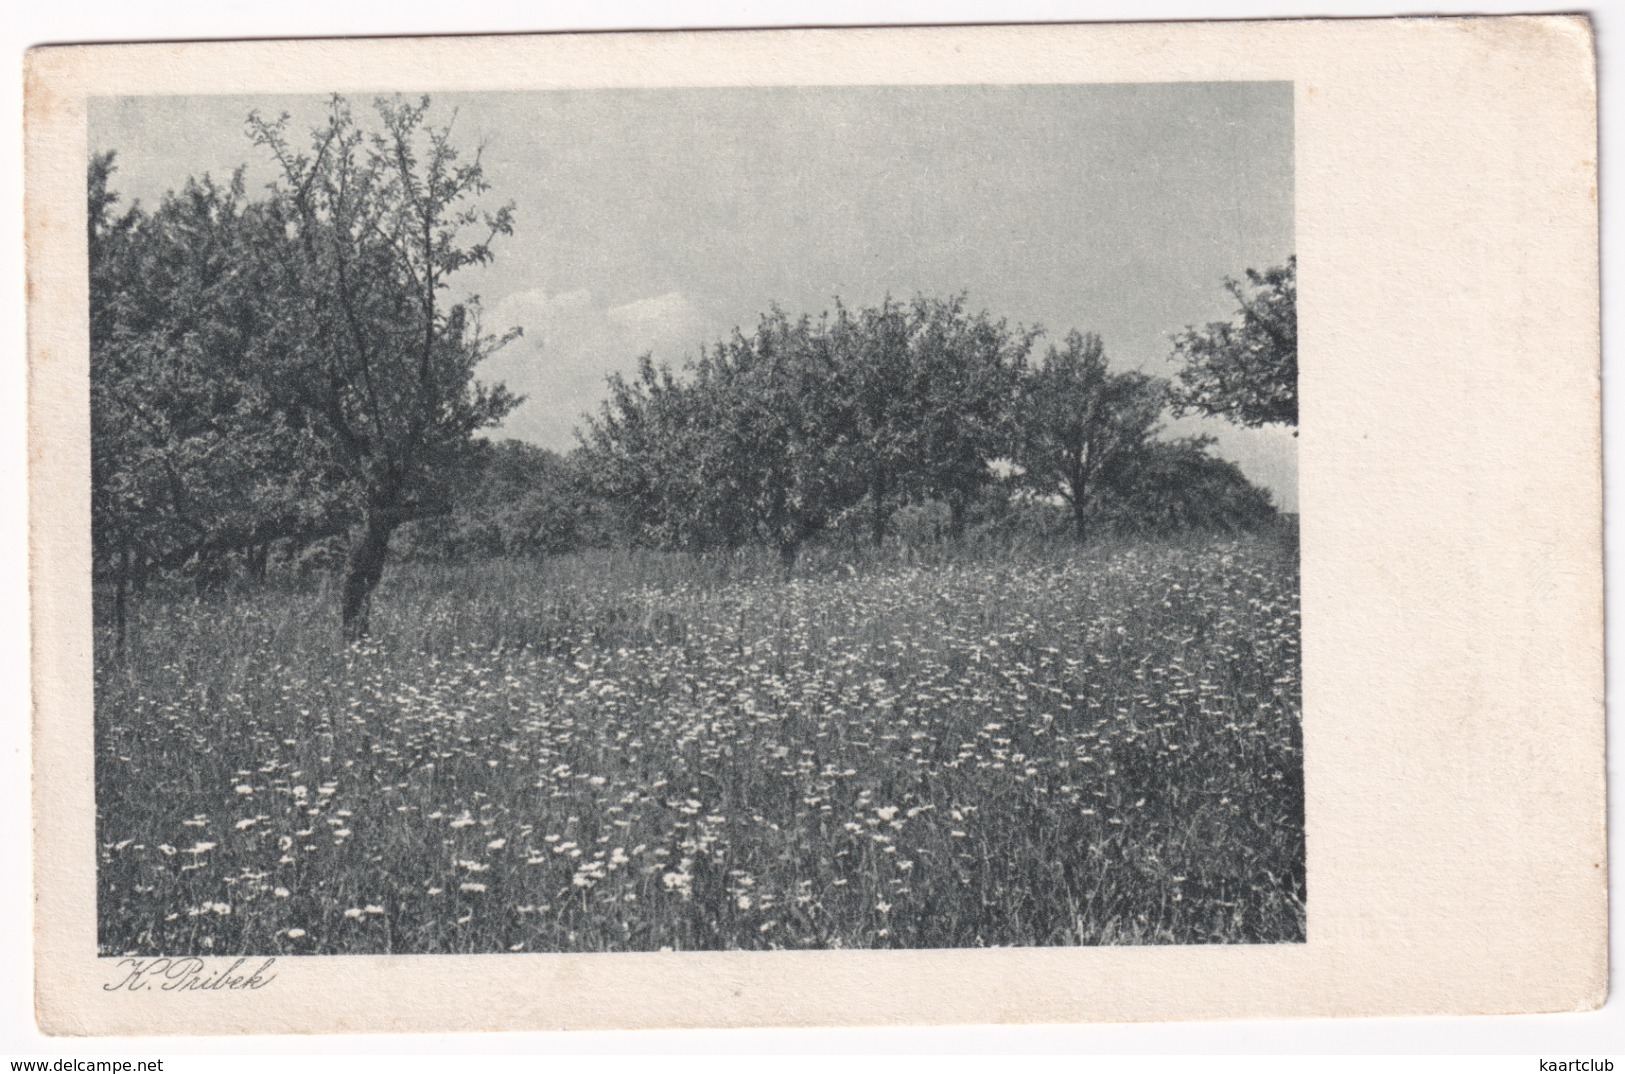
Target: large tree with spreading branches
x,y
381,358
293,367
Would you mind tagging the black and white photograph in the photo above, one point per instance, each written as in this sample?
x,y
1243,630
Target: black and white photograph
x,y
922,530
695,519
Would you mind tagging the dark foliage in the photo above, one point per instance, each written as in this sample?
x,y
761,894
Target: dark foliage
x,y
1245,369
287,370
517,500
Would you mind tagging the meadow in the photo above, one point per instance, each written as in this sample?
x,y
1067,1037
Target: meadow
x,y
644,751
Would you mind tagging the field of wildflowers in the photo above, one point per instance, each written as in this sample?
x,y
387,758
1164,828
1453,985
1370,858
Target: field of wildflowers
x,y
639,751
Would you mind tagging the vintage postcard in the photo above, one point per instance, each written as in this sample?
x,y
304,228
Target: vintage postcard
x,y
817,527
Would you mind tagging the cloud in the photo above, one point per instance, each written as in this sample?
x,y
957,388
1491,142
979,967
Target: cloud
x,y
572,342
536,311
667,311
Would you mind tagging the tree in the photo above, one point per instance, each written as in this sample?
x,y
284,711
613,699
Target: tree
x,y
1174,485
1079,422
758,440
380,364
1245,369
776,435
791,453
652,451
190,455
937,387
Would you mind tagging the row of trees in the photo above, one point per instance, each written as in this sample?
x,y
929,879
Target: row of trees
x,y
271,372
774,435
779,435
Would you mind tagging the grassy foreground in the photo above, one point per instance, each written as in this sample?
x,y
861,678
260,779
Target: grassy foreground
x,y
636,752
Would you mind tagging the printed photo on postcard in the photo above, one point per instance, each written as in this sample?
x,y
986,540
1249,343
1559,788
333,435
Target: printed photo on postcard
x,y
816,527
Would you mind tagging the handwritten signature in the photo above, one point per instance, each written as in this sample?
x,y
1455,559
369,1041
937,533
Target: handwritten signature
x,y
189,975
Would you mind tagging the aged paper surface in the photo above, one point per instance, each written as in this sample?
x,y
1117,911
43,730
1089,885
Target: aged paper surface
x,y
1451,534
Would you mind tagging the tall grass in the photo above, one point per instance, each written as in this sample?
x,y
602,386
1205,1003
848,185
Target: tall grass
x,y
635,751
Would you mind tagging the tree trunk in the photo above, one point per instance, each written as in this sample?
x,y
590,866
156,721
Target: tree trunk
x,y
121,595
878,516
1080,502
1080,520
363,569
257,557
957,510
789,552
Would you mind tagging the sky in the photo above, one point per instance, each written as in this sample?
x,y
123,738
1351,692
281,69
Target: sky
x,y
659,220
